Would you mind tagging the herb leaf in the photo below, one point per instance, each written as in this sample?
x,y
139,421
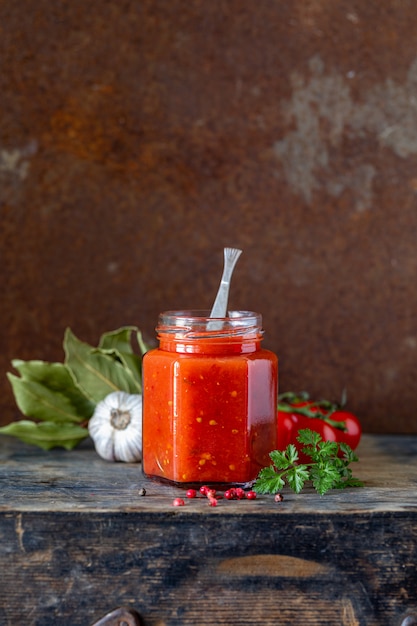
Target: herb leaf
x,y
118,344
46,435
96,371
61,397
328,469
46,391
269,481
297,476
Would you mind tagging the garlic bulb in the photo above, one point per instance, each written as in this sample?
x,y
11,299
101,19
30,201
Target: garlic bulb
x,y
116,427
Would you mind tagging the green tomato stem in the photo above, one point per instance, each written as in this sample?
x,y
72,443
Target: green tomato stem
x,y
307,411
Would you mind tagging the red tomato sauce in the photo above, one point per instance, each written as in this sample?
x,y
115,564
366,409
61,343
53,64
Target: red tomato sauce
x,y
209,417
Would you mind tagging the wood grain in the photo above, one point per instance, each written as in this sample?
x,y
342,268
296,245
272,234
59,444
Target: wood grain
x,y
76,540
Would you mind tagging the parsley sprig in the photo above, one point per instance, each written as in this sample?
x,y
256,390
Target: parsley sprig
x,y
327,469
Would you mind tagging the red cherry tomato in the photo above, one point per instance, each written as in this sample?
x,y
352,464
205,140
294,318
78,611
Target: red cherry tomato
x,y
351,435
296,413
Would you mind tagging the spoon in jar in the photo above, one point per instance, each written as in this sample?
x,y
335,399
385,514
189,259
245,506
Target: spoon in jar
x,y
219,309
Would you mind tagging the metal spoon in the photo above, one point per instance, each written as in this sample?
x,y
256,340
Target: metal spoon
x,y
219,309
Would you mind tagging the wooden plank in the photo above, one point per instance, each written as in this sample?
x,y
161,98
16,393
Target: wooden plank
x,y
34,480
69,568
76,541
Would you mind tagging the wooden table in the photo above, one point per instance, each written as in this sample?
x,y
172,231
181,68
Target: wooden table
x,y
77,540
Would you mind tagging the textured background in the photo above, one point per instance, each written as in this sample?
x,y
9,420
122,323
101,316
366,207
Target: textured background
x,y
137,138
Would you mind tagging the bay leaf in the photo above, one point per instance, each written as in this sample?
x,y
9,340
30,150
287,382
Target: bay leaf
x,y
40,402
131,363
143,347
96,372
56,377
118,343
46,435
120,339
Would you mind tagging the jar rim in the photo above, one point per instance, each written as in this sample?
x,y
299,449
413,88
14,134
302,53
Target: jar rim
x,y
197,323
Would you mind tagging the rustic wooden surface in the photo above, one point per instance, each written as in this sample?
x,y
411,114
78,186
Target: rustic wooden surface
x,y
77,540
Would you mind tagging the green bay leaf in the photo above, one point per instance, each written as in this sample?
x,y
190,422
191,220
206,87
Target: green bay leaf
x,y
120,341
131,362
46,435
96,372
39,402
54,377
143,347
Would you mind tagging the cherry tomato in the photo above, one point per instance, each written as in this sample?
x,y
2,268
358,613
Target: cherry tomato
x,y
296,412
351,435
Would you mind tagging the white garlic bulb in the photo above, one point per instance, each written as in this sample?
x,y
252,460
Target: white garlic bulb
x,y
116,427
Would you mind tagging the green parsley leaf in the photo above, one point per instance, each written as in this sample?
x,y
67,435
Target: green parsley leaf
x,y
297,476
269,481
328,469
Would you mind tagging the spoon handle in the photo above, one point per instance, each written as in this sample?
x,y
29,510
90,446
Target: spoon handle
x,y
231,256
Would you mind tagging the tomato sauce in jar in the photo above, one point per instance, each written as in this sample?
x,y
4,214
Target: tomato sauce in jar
x,y
209,400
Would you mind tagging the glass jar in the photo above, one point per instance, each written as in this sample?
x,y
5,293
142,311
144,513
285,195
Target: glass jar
x,y
209,400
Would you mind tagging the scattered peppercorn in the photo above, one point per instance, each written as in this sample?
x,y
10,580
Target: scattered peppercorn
x,y
142,491
233,493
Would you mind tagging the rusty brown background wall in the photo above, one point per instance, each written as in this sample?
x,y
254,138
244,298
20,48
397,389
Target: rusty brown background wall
x,y
137,138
